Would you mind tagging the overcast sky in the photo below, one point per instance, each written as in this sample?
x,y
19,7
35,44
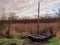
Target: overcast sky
x,y
29,7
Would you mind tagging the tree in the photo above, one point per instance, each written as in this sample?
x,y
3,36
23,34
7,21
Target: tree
x,y
57,12
58,18
3,26
12,16
3,15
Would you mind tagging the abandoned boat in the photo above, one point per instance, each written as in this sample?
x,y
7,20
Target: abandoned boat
x,y
40,37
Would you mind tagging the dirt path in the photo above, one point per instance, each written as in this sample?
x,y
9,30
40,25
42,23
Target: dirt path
x,y
37,43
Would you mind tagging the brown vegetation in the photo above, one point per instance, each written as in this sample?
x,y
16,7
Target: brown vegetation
x,y
18,28
22,29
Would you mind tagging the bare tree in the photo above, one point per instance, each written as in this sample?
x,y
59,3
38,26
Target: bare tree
x,y
3,14
3,25
12,16
57,12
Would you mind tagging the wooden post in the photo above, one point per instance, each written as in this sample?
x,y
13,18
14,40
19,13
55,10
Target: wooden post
x,y
38,17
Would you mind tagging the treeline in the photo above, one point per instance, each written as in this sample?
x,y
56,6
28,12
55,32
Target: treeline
x,y
49,20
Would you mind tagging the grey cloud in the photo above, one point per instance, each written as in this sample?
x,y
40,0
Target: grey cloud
x,y
15,4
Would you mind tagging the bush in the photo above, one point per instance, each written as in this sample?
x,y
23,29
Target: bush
x,y
23,35
14,34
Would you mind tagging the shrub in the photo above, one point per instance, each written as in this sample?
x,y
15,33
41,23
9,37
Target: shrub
x,y
14,34
24,34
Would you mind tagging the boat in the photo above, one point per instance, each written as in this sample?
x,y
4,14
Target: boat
x,y
40,37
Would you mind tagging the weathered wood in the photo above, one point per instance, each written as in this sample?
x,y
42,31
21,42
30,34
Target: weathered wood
x,y
38,38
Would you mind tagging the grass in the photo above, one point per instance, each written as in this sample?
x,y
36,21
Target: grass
x,y
5,41
9,41
54,41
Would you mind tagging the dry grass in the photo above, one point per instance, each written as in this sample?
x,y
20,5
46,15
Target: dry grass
x,y
32,27
17,29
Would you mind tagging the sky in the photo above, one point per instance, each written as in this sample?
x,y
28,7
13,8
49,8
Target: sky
x,y
29,7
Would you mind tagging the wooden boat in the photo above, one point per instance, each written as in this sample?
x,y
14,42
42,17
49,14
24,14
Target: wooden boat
x,y
40,37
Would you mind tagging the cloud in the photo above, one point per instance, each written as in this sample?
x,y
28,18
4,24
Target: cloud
x,y
43,4
16,4
23,6
47,3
